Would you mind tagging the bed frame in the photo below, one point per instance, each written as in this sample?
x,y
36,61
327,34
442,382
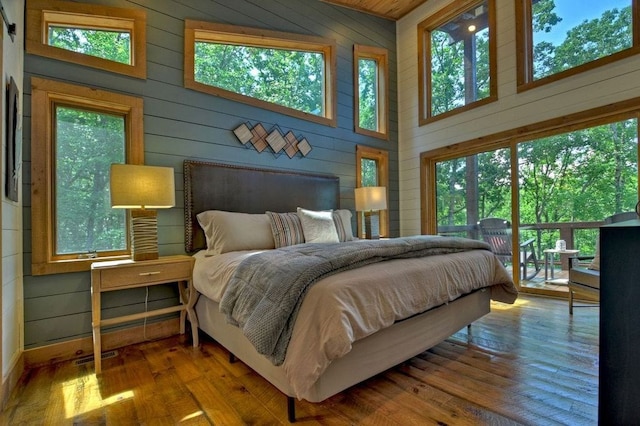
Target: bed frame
x,y
213,186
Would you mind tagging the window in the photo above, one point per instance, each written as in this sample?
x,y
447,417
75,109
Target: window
x,y
77,133
550,182
456,60
371,81
560,38
292,74
102,37
372,169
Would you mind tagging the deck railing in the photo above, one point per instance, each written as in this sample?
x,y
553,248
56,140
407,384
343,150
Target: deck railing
x,y
566,233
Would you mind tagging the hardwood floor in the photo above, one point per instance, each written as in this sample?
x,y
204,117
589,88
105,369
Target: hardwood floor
x,y
528,363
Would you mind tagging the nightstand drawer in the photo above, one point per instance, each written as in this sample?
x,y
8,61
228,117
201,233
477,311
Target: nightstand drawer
x,y
144,274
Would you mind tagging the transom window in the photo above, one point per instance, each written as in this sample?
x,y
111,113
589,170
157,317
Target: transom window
x,y
106,44
290,73
97,36
559,38
371,67
457,59
77,133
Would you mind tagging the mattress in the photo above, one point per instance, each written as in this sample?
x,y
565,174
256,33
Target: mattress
x,y
349,306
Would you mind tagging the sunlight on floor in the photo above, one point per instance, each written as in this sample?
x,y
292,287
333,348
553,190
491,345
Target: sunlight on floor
x,y
82,395
499,306
192,416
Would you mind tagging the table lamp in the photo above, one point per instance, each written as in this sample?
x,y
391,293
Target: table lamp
x,y
142,189
370,200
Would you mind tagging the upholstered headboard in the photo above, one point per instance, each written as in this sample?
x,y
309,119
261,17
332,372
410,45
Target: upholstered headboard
x,y
215,186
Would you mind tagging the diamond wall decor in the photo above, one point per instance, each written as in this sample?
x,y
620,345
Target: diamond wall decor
x,y
261,139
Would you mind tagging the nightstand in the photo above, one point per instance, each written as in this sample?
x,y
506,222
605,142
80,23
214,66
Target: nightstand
x,y
126,274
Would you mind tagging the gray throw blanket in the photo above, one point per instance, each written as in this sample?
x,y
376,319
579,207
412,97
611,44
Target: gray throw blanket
x,y
265,293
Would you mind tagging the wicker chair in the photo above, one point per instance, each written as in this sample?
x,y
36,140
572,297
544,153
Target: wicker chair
x,y
497,232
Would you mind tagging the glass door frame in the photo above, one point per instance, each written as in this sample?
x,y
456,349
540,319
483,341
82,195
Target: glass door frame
x,y
619,111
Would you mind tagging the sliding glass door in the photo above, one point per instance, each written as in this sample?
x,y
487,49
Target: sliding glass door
x,y
567,185
471,188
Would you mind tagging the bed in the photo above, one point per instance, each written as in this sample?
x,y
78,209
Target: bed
x,y
364,348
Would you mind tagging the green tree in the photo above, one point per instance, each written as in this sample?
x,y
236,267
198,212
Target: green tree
x,y
368,90
586,42
285,77
369,172
595,39
87,143
111,45
576,176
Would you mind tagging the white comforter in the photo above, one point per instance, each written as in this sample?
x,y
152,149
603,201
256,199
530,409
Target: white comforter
x,y
345,307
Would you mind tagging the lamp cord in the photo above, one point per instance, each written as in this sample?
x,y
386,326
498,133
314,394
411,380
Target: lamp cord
x,y
144,324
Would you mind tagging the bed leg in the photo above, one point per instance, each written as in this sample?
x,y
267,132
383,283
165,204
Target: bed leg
x,y
291,409
232,358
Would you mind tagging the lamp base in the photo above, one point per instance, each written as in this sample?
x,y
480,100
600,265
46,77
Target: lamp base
x,y
371,225
144,234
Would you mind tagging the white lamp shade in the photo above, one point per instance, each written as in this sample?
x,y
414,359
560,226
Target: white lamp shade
x,y
371,198
142,187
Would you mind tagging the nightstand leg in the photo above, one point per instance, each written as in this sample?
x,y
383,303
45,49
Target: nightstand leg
x,y
97,344
193,318
183,288
97,351
189,296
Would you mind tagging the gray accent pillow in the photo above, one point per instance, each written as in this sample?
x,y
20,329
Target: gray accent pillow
x,y
318,226
342,220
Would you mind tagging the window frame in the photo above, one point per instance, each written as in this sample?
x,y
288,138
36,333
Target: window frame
x,y
45,95
524,49
425,114
381,57
510,139
232,34
382,159
42,13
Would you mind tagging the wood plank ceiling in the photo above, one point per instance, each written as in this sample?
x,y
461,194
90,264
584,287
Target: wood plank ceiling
x,y
390,9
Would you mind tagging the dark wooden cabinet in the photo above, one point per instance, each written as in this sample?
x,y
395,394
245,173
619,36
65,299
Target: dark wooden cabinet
x,y
619,376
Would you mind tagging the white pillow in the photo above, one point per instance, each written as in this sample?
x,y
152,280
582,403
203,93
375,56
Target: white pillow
x,y
342,219
318,226
230,231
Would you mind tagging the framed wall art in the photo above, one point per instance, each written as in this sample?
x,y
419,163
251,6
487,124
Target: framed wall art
x,y
12,156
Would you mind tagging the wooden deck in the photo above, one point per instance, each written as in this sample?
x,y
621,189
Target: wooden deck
x,y
539,283
527,363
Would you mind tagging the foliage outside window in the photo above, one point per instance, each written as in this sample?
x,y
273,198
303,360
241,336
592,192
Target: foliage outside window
x,y
559,38
372,169
471,188
77,132
292,74
583,175
371,69
112,45
579,176
568,181
86,144
97,36
456,59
